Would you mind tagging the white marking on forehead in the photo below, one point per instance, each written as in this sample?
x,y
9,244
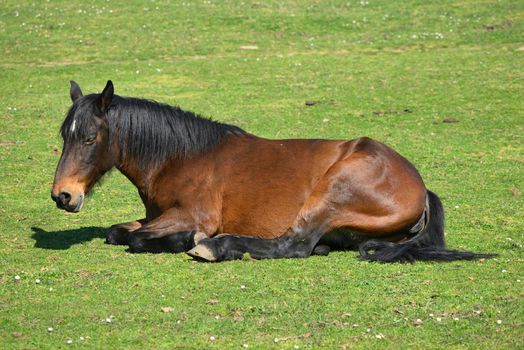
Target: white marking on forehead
x,y
73,126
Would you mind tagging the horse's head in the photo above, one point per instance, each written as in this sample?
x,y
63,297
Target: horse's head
x,y
87,152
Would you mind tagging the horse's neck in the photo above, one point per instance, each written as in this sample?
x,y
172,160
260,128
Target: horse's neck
x,y
142,178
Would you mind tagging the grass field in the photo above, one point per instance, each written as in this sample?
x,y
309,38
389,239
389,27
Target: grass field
x,y
391,70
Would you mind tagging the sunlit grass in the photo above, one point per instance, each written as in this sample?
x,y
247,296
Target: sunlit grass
x,y
390,70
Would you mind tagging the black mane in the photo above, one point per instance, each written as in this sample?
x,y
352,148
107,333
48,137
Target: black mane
x,y
148,131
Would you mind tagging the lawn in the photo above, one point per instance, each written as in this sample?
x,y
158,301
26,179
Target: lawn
x,y
441,82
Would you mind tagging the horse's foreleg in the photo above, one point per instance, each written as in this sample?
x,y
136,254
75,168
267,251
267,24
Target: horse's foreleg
x,y
174,231
119,234
178,242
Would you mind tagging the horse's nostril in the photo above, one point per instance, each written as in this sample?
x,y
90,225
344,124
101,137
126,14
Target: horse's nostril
x,y
54,198
64,197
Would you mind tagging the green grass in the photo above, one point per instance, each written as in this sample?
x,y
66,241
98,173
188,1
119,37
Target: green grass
x,y
365,63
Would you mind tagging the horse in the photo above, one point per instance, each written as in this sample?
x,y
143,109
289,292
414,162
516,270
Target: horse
x,y
220,193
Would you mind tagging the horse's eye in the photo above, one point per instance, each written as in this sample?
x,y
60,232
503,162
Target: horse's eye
x,y
90,140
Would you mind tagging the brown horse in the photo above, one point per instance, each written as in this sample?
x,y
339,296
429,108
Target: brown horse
x,y
218,192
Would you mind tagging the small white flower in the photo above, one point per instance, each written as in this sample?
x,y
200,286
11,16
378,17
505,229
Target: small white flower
x,y
430,315
245,345
17,278
499,321
212,338
455,318
49,329
242,287
37,280
69,341
439,319
504,271
82,338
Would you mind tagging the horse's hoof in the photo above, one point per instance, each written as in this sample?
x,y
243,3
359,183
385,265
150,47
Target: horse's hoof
x,y
115,240
198,237
201,252
117,236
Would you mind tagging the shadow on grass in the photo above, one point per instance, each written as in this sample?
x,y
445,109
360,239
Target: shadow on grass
x,y
61,240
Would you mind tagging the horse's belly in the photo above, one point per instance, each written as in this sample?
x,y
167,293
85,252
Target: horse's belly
x,y
266,216
266,183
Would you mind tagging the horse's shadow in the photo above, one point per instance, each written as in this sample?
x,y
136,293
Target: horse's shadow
x,y
61,240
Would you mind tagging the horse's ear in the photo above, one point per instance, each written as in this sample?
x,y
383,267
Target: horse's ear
x,y
106,97
75,91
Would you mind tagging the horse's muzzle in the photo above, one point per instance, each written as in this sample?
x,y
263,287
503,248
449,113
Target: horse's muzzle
x,y
68,202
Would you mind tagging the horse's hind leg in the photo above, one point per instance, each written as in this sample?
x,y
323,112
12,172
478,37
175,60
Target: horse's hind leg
x,y
229,247
119,234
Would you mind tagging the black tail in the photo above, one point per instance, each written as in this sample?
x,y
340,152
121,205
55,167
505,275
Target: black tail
x,y
428,244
